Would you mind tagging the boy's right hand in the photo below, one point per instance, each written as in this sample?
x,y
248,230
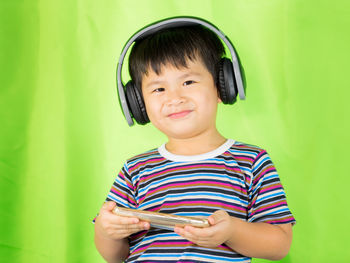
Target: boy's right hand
x,y
117,227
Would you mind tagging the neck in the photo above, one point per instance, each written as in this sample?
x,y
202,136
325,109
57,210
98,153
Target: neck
x,y
195,145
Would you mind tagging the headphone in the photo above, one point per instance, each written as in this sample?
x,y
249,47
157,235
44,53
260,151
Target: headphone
x,y
231,79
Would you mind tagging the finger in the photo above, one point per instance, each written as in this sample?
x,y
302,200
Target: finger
x,y
124,220
108,206
212,220
127,230
122,233
196,240
139,226
199,232
218,216
179,230
200,241
193,234
182,232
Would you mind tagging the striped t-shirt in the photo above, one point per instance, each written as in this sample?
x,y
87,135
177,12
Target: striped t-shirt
x,y
236,177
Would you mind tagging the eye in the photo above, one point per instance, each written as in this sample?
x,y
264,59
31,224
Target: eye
x,y
157,90
188,82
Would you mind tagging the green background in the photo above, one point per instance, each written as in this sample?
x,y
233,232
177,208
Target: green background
x,y
63,137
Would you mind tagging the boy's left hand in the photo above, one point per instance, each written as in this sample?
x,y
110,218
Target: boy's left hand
x,y
216,234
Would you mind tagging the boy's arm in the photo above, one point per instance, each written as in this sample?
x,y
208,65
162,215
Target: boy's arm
x,y
111,250
111,232
259,240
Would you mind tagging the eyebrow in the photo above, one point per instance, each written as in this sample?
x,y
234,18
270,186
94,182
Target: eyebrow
x,y
185,75
189,74
154,83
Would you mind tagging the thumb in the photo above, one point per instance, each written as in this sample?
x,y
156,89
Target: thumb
x,y
216,217
108,206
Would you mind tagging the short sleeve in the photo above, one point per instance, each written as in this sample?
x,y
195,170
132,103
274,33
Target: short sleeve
x,y
267,199
122,190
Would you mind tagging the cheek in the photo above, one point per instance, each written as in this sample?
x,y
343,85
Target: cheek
x,y
209,102
152,109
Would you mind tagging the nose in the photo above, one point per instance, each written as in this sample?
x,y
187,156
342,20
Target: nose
x,y
174,97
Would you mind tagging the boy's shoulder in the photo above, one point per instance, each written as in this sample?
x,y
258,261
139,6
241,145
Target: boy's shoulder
x,y
237,148
246,146
150,154
245,152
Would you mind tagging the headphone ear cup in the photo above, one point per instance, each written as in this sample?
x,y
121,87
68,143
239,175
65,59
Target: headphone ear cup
x,y
226,82
136,103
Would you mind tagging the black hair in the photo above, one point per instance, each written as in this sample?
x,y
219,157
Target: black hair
x,y
175,46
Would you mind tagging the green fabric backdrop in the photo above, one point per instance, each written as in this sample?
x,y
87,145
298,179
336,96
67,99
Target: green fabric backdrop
x,y
63,137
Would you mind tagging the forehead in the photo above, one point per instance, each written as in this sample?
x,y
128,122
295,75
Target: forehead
x,y
195,66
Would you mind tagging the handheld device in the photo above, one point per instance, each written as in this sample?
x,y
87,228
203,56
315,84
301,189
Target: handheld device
x,y
161,220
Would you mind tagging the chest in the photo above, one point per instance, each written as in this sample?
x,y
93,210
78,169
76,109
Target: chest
x,y
193,189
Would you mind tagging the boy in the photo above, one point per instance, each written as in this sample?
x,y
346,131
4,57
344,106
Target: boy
x,y
197,172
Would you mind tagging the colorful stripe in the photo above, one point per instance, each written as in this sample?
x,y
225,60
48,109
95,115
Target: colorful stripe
x,y
242,181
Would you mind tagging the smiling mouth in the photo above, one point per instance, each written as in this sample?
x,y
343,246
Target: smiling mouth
x,y
180,114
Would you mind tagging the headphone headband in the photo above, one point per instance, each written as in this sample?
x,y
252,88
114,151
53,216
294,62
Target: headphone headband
x,y
168,23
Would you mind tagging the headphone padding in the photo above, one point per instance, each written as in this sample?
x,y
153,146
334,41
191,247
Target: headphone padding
x,y
136,104
226,82
221,83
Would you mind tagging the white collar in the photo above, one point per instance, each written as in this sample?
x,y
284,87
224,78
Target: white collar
x,y
188,158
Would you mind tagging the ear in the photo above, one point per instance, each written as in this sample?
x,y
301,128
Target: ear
x,y
218,94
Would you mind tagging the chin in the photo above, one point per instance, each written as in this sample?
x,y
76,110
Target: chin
x,y
181,129
182,133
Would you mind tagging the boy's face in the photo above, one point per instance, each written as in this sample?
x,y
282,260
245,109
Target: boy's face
x,y
181,103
